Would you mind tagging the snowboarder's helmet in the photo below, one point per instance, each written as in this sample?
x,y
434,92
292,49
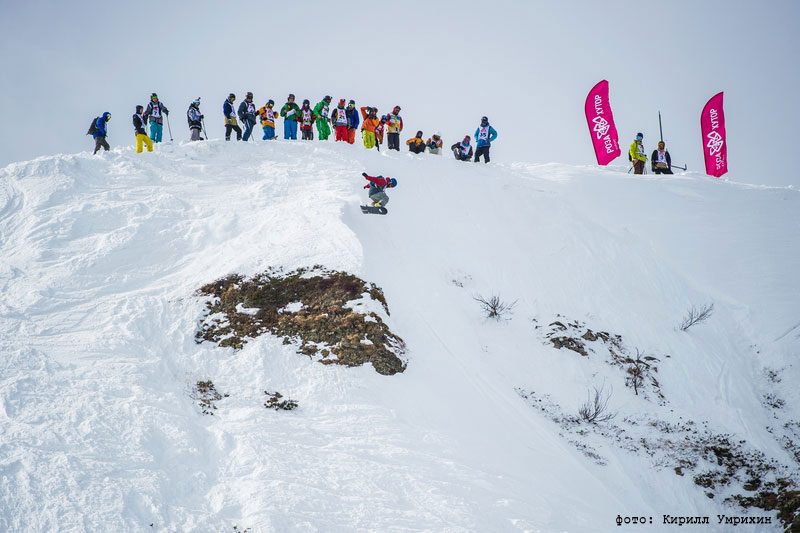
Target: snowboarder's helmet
x,y
466,138
248,95
154,96
196,103
393,182
352,102
306,102
270,102
139,109
639,136
327,98
231,96
341,102
484,119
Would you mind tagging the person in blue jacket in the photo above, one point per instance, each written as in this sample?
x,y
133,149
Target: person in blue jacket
x,y
230,118
485,134
100,133
353,121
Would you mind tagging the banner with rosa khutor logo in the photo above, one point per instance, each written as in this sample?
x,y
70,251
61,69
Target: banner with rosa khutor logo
x,y
601,124
715,147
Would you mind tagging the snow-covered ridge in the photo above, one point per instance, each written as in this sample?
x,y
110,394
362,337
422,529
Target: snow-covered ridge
x,y
101,258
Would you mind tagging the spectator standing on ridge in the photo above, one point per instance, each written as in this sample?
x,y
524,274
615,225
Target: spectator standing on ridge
x,y
463,150
306,119
485,134
370,116
290,112
141,134
416,144
195,119
660,161
154,114
247,114
394,125
99,132
339,119
322,110
636,154
230,118
352,121
267,115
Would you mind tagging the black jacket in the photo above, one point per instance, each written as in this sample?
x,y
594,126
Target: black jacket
x,y
138,125
655,155
244,115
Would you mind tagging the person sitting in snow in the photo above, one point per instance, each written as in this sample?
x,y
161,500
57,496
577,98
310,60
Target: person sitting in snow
x,y
376,186
416,145
434,144
463,150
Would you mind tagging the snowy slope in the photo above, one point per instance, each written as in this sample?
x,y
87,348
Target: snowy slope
x,y
101,258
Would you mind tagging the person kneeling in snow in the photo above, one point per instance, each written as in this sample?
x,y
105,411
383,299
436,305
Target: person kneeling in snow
x,y
463,150
376,186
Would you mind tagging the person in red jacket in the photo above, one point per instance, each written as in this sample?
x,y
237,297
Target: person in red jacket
x,y
376,186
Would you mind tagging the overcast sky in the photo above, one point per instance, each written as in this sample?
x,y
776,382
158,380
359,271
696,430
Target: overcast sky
x,y
528,65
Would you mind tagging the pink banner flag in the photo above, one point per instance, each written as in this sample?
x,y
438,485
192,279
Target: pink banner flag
x,y
715,147
601,124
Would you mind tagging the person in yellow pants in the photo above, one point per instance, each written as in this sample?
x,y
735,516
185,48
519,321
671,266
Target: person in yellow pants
x,y
371,121
141,135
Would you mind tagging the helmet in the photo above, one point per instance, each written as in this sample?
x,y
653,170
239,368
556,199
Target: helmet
x,y
270,102
290,96
341,102
306,102
154,95
484,119
231,96
393,182
248,95
196,103
327,98
139,109
639,136
353,102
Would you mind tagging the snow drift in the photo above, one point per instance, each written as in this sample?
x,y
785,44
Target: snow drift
x,y
102,257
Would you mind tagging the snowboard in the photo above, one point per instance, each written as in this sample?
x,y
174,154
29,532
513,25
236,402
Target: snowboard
x,y
366,209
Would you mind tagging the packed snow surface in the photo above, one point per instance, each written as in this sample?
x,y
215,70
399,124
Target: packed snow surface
x,y
102,256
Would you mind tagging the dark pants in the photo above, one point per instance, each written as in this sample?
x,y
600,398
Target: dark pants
x,y
662,171
638,167
231,127
100,142
394,141
482,150
248,129
416,148
308,135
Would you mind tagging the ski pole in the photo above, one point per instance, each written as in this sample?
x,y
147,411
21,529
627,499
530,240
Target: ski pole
x,y
170,129
203,122
681,167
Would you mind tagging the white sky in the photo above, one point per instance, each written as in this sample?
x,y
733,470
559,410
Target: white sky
x,y
528,65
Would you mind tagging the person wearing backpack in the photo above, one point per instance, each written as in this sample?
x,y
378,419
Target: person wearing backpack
x,y
290,113
230,118
636,154
139,122
195,119
321,110
247,114
154,114
98,132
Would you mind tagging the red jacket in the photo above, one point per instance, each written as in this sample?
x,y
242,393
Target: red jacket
x,y
379,181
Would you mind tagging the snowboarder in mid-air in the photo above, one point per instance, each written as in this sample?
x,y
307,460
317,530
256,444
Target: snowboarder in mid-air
x,y
378,198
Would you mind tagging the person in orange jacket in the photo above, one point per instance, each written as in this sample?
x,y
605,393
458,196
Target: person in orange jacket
x,y
370,116
416,144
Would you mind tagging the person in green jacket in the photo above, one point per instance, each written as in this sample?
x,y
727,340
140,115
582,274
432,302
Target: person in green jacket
x,y
637,155
291,114
322,112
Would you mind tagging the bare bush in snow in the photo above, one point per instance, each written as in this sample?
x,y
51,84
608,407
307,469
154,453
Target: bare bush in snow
x,y
494,307
696,316
595,409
